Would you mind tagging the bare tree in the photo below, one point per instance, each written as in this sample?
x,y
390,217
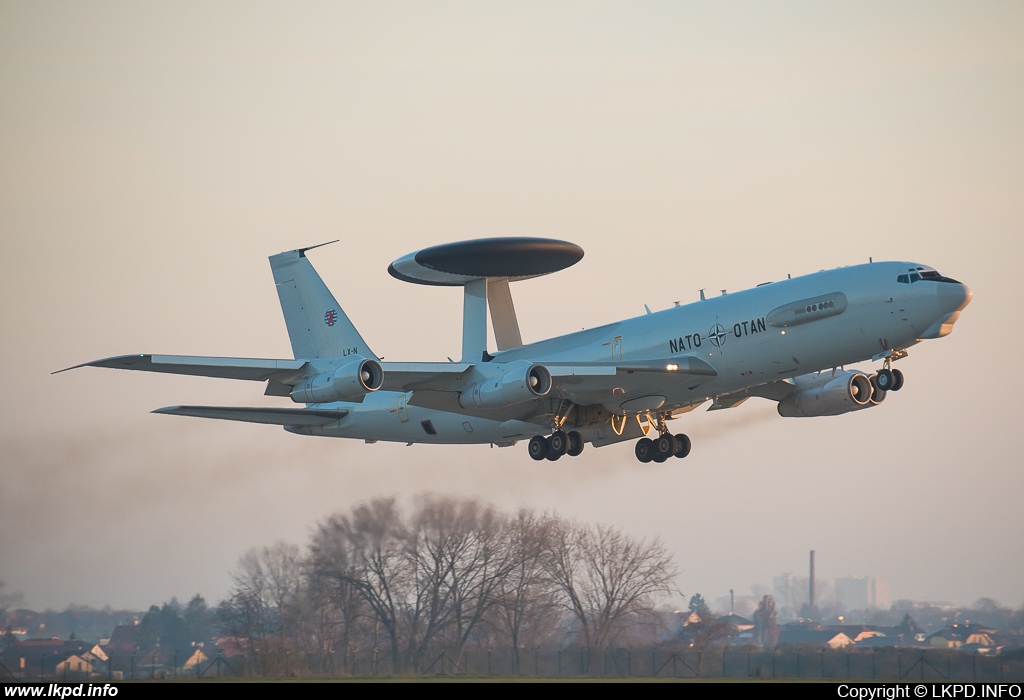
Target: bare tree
x,y
609,579
766,626
7,600
463,543
527,600
710,631
261,607
336,605
383,566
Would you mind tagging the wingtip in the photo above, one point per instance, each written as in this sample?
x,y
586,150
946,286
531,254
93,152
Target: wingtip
x,y
302,251
68,369
105,362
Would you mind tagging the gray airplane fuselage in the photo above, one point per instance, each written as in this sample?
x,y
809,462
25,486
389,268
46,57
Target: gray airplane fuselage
x,y
773,332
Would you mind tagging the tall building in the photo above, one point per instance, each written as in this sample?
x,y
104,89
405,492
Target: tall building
x,y
862,592
791,593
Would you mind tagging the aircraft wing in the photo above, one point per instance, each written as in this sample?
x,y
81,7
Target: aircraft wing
x,y
252,369
585,383
774,391
271,416
409,376
579,382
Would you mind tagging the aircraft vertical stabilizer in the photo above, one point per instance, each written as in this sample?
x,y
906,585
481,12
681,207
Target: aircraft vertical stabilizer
x,y
317,325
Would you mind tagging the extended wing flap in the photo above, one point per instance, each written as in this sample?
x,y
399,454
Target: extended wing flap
x,y
439,376
251,369
271,416
774,391
599,382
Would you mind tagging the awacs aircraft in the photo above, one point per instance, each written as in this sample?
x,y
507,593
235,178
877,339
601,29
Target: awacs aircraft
x,y
786,341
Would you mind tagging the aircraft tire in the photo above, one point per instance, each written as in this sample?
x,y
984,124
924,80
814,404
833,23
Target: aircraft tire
x,y
576,444
665,446
553,456
539,447
897,380
885,379
659,458
559,442
684,446
644,450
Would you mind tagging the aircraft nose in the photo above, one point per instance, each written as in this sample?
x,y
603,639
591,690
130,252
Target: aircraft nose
x,y
954,296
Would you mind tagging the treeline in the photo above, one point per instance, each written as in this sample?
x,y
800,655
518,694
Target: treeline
x,y
449,577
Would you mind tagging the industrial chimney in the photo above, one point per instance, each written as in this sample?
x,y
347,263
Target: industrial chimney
x,y
810,586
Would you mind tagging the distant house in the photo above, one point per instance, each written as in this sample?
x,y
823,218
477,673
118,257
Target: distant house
x,y
74,665
957,636
125,639
189,660
858,633
814,638
33,656
95,654
741,624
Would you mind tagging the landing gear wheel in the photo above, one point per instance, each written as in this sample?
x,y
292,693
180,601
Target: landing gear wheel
x,y
684,446
897,380
877,392
559,442
553,456
575,444
659,458
665,446
885,379
539,447
644,450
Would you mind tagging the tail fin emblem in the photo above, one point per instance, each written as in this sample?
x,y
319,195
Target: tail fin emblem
x,y
331,317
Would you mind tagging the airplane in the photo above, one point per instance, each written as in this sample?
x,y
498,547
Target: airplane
x,y
786,341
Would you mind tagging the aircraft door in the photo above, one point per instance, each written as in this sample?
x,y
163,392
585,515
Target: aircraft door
x,y
403,408
615,345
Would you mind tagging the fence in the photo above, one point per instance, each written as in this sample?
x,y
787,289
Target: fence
x,y
889,664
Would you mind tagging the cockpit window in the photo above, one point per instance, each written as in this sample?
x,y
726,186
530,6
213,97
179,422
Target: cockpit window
x,y
920,273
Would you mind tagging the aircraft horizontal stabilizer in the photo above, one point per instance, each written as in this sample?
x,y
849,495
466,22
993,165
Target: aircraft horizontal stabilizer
x,y
252,369
271,416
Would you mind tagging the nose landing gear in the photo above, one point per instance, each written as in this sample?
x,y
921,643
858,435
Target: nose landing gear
x,y
889,379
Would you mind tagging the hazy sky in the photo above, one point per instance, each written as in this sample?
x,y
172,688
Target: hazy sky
x,y
153,155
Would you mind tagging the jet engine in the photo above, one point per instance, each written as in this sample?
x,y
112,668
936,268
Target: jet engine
x,y
523,383
347,383
826,394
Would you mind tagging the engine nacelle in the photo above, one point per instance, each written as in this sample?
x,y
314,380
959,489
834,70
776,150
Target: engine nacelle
x,y
523,383
877,395
825,395
347,383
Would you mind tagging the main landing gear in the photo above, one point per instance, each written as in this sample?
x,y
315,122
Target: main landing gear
x,y
662,447
560,443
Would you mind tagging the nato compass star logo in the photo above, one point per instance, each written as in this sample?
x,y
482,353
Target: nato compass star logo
x,y
331,317
717,335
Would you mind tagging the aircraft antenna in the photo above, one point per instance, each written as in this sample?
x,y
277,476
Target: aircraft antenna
x,y
702,295
648,309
